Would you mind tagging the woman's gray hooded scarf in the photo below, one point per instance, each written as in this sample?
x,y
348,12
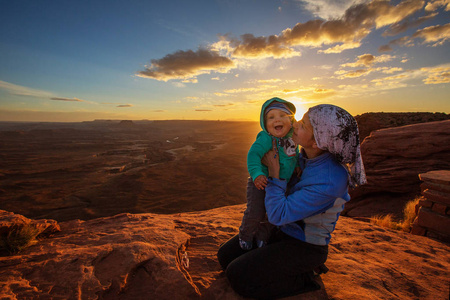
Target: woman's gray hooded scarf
x,y
336,131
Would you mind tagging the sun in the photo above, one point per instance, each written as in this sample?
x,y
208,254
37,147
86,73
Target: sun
x,y
300,107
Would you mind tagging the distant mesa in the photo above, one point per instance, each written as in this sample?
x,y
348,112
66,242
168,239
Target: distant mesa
x,y
100,121
126,123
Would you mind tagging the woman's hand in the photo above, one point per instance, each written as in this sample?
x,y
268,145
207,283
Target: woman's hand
x,y
272,161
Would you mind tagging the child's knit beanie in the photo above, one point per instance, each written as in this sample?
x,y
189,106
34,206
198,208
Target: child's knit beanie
x,y
280,106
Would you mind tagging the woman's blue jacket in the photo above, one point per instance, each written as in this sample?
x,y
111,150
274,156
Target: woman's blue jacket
x,y
309,208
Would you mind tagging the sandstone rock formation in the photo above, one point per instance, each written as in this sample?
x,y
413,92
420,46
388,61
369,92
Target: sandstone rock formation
x,y
151,256
393,158
372,121
433,210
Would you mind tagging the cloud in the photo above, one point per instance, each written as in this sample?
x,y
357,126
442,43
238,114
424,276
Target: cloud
x,y
191,99
326,9
344,31
347,31
203,110
434,5
265,88
159,110
247,90
67,99
320,93
405,41
438,35
186,64
437,75
19,90
396,78
261,47
440,78
343,74
402,27
387,15
317,33
325,67
269,80
224,105
391,70
220,94
385,48
352,74
190,80
118,104
179,84
368,60
355,25
430,75
340,48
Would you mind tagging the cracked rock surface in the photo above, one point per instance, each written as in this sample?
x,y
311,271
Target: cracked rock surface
x,y
143,256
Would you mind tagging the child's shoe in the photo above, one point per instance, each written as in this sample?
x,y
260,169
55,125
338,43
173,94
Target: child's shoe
x,y
245,245
260,243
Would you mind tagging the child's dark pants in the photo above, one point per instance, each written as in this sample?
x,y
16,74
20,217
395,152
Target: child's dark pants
x,y
254,223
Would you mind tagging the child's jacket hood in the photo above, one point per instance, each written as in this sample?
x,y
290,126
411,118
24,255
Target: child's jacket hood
x,y
267,103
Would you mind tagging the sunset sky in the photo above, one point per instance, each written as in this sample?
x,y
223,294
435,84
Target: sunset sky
x,y
220,59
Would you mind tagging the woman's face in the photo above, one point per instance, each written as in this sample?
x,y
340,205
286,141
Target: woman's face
x,y
303,134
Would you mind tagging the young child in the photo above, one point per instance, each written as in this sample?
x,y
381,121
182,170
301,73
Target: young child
x,y
277,117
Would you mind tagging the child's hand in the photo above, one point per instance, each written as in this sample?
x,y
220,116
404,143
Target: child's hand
x,y
271,160
260,182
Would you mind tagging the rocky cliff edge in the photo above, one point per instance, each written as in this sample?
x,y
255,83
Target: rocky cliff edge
x,y
151,256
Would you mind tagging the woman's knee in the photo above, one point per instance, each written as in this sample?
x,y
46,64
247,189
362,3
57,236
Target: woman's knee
x,y
229,251
222,257
238,278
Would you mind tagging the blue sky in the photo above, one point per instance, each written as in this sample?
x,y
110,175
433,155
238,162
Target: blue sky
x,y
220,59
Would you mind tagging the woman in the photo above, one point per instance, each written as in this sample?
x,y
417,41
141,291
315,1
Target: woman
x,y
305,210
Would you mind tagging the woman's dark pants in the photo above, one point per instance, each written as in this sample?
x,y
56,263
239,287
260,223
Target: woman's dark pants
x,y
280,269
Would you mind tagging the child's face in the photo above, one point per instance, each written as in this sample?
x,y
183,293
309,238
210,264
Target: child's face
x,y
278,123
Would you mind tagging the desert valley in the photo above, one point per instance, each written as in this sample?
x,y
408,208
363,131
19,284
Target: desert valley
x,y
96,169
